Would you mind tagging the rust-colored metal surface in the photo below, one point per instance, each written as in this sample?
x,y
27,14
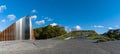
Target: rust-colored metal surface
x,y
33,37
10,33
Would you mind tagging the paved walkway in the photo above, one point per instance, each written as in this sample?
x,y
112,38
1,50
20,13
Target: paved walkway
x,y
75,46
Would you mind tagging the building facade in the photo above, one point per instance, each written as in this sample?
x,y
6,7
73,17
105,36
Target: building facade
x,y
20,30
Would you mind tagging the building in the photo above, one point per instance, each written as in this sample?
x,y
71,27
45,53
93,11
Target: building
x,y
20,30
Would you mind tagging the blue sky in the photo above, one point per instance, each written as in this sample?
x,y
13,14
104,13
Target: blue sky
x,y
98,15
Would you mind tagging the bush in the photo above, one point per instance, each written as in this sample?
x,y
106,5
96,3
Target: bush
x,y
101,40
62,37
118,38
112,39
49,32
104,39
94,37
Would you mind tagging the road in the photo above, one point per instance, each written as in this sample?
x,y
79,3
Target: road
x,y
75,46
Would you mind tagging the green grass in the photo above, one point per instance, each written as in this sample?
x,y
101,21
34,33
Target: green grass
x,y
94,37
63,37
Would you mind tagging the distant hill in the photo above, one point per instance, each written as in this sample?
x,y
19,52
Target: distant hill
x,y
81,33
113,34
114,31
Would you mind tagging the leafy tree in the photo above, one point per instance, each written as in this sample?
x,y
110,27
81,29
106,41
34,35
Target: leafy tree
x,y
49,32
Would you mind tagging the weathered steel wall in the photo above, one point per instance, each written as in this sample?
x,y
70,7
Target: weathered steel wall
x,y
17,31
8,33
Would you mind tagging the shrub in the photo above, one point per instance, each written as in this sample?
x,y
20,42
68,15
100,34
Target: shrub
x,y
112,39
101,40
49,32
94,37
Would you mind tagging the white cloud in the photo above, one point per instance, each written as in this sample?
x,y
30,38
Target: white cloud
x,y
77,27
3,20
110,28
47,18
2,8
68,29
117,26
98,26
11,16
34,11
40,22
53,24
50,19
33,17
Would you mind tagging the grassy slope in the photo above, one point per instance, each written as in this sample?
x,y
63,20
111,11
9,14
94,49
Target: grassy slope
x,y
75,34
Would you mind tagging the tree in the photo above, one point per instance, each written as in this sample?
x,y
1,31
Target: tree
x,y
49,32
37,32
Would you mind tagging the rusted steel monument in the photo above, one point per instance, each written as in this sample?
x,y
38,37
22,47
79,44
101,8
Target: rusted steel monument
x,y
20,30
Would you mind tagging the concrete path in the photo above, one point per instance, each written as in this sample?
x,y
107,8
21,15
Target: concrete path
x,y
75,46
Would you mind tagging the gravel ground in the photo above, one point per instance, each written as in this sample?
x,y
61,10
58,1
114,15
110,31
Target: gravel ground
x,y
75,46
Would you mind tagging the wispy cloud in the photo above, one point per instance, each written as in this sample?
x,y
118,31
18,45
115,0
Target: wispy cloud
x,y
2,8
117,26
33,11
68,29
47,18
110,28
98,26
40,22
33,17
11,16
3,20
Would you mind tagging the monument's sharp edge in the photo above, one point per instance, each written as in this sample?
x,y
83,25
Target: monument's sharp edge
x,y
20,30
